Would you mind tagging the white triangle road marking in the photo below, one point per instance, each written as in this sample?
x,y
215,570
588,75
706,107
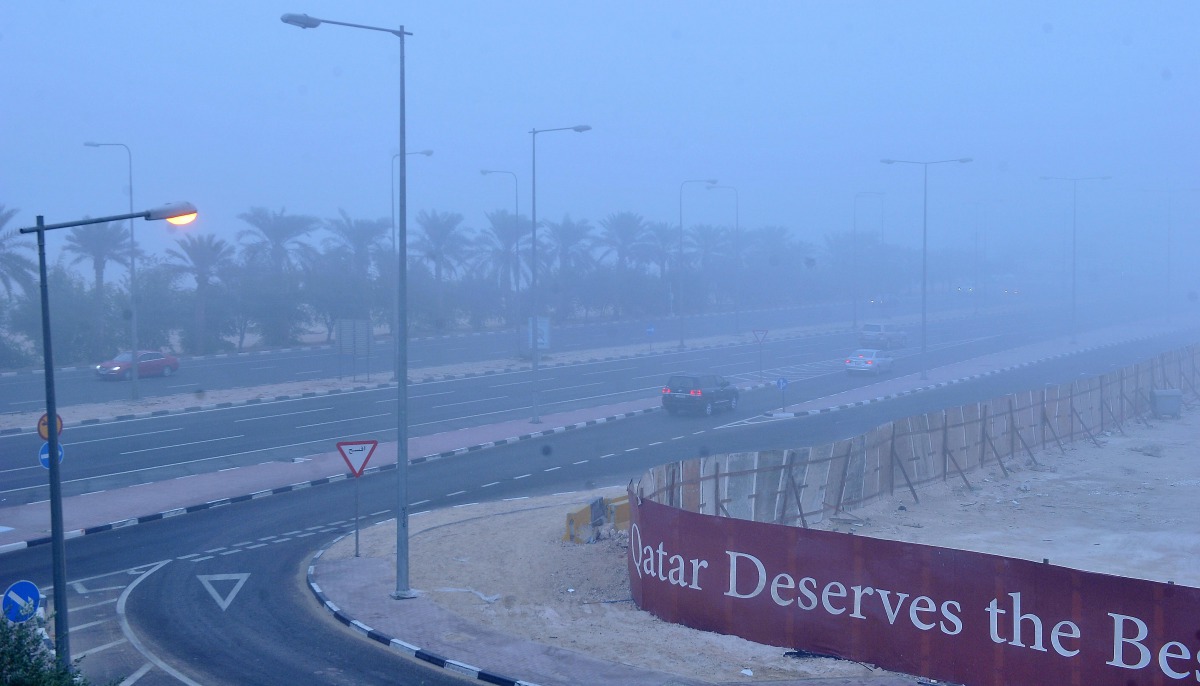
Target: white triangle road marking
x,y
207,580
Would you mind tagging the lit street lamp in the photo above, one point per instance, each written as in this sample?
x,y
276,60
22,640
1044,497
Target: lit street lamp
x,y
175,213
924,249
1074,186
854,255
534,328
401,335
737,251
676,302
133,319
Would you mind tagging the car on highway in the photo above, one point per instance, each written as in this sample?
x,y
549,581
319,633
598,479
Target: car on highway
x,y
702,393
869,361
882,336
150,363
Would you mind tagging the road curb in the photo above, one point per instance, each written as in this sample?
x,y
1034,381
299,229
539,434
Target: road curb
x,y
175,512
460,668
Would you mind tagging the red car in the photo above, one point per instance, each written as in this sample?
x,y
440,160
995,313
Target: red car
x,y
150,363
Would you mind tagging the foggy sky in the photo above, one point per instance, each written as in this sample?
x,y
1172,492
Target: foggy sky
x,y
792,103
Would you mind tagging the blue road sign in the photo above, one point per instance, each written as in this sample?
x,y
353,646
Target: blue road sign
x,y
781,383
44,454
650,330
21,601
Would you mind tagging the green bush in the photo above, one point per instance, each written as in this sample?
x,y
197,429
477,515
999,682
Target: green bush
x,y
26,661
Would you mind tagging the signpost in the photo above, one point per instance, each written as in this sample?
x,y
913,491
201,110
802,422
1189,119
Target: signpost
x,y
782,384
44,426
760,335
356,454
650,336
21,601
44,455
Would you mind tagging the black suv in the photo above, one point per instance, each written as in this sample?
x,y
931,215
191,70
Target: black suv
x,y
702,393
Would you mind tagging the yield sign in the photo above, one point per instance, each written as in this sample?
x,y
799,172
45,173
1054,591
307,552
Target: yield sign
x,y
760,334
356,454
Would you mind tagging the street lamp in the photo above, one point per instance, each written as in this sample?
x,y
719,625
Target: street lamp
x,y
854,255
924,248
395,297
133,320
402,589
516,226
737,251
1074,186
676,303
175,213
534,329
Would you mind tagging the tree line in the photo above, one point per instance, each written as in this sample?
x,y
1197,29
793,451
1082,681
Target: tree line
x,y
282,275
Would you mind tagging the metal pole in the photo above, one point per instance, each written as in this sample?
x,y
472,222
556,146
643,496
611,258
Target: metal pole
x,y
133,310
924,268
533,291
62,630
854,266
678,305
402,587
395,294
1074,186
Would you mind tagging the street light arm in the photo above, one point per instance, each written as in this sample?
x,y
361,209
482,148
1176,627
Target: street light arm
x,y
578,129
170,211
306,22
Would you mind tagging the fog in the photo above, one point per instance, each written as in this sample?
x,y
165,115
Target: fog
x,y
792,104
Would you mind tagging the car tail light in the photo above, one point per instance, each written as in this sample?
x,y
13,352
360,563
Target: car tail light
x,y
696,391
666,390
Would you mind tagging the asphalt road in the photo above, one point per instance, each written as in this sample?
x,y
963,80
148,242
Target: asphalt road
x,y
216,597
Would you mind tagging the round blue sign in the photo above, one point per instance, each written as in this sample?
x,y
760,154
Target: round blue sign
x,y
21,601
782,383
44,455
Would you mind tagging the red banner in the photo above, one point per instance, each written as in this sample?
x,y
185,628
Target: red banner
x,y
947,614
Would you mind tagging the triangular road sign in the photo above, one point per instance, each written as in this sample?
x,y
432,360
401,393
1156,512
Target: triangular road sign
x,y
207,580
356,454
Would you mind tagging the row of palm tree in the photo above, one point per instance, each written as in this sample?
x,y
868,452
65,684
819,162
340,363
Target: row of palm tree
x,y
287,273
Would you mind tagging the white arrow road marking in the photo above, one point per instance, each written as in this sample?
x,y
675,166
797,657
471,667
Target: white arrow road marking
x,y
206,579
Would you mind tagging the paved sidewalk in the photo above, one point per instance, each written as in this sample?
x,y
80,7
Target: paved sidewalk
x,y
419,626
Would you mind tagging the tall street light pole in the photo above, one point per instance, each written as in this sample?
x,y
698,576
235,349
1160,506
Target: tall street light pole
x,y
133,319
925,251
516,225
677,303
402,589
737,252
854,256
535,341
395,294
1170,215
176,213
1074,206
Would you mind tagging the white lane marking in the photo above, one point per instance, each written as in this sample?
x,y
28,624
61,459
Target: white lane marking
x,y
430,395
466,402
656,443
677,438
629,450
522,476
494,483
608,455
579,462
106,646
180,445
343,421
501,385
567,388
133,678
551,469
281,414
609,371
134,640
125,436
315,371
419,502
451,495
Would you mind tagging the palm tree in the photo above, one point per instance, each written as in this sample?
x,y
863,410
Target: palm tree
x,y
620,236
202,257
276,239
15,269
99,244
497,256
356,241
569,244
274,246
443,244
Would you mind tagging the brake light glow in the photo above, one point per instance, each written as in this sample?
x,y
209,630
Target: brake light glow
x,y
666,390
695,391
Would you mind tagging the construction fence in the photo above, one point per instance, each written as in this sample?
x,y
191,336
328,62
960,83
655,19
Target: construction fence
x,y
801,486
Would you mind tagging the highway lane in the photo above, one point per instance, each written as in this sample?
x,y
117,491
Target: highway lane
x,y
271,622
111,455
23,392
